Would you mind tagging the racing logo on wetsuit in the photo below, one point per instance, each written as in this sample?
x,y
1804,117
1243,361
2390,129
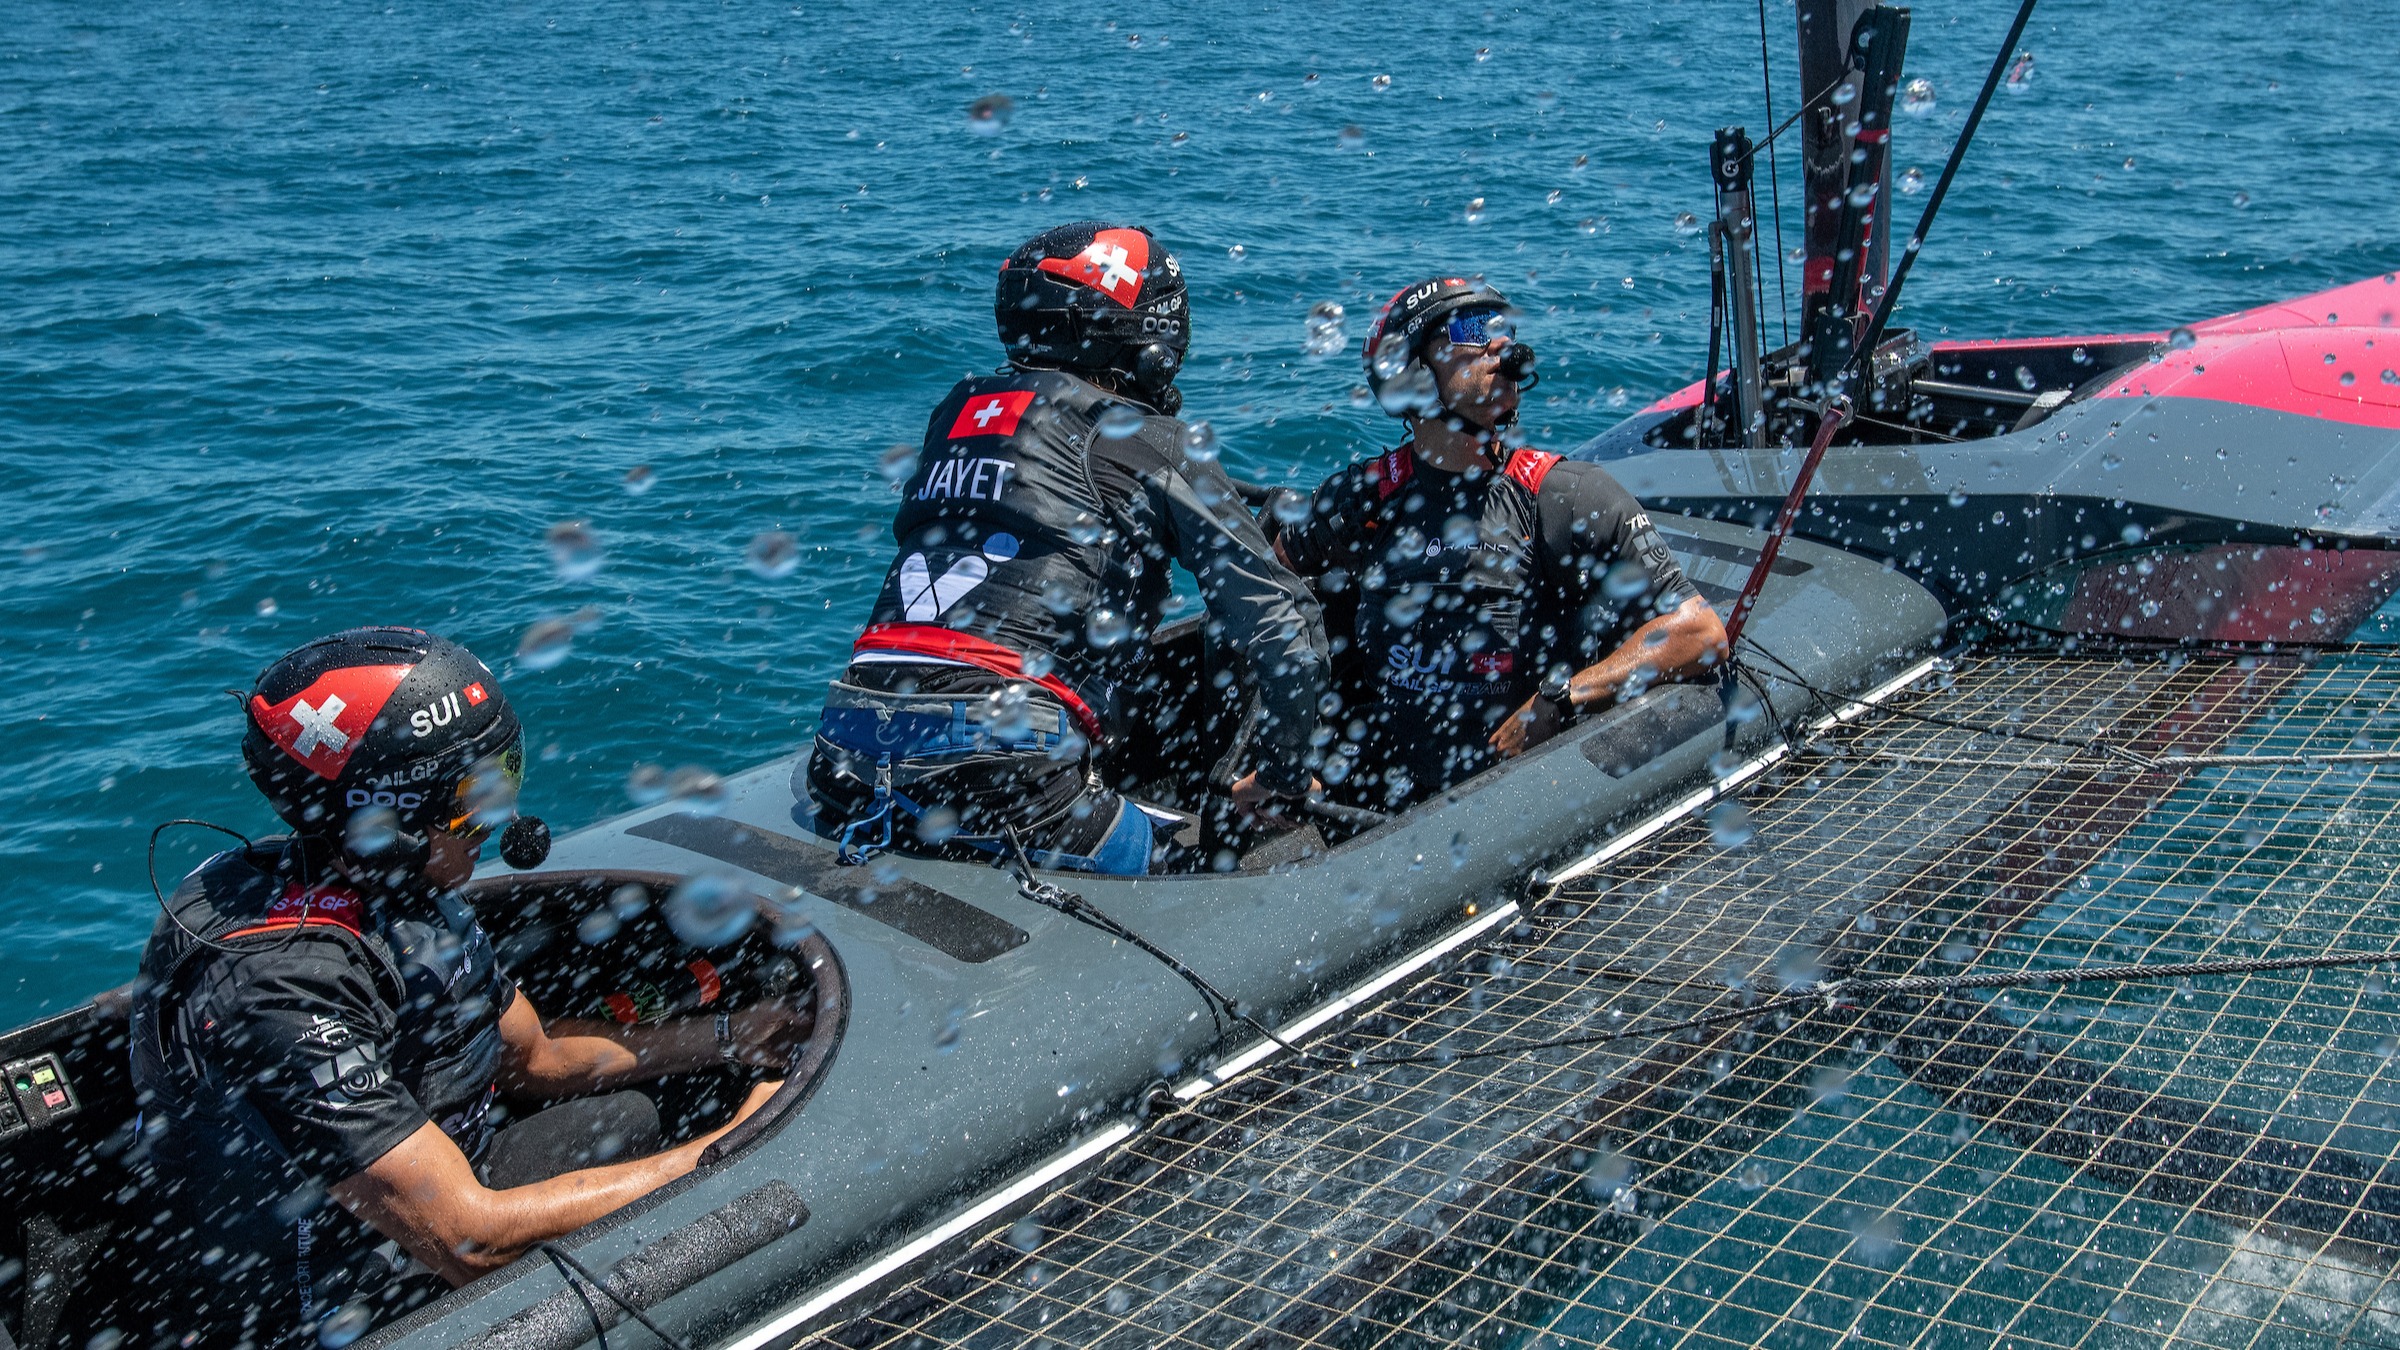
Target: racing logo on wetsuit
x,y
927,597
322,725
1112,265
991,414
349,1076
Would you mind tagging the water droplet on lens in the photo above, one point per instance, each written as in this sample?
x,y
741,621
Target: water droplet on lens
x,y
545,643
1912,181
702,793
2241,201
347,1324
937,826
988,116
1327,333
1475,211
646,784
897,463
1381,83
1200,441
1106,627
945,1033
1483,54
710,910
1916,98
1025,1234
2349,377
372,830
1958,497
1845,93
1589,225
1117,1300
1687,224
639,479
2129,164
773,555
1237,252
1404,608
1120,421
1084,528
1289,507
598,926
2026,381
1729,824
575,551
266,608
2181,339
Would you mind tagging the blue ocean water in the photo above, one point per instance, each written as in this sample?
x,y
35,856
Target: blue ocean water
x,y
321,315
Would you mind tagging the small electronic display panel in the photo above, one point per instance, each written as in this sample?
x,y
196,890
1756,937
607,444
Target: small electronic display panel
x,y
38,1093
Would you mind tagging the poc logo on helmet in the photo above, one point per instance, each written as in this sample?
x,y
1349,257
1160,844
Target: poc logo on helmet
x,y
404,801
1161,327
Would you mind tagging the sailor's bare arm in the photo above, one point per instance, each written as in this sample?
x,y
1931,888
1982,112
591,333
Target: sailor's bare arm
x,y
1686,644
425,1195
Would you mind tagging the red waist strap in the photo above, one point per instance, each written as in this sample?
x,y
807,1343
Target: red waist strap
x,y
925,639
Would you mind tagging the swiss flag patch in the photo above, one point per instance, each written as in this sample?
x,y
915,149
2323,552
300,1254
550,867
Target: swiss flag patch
x,y
991,414
321,725
1112,265
475,694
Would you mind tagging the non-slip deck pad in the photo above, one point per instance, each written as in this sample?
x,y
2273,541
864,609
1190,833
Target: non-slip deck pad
x,y
938,919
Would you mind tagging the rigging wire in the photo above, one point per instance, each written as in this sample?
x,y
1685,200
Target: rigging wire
x,y
1941,189
2093,745
1829,995
569,1268
1766,75
1220,1005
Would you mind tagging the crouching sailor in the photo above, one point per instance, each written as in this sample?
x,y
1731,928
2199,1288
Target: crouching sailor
x,y
320,1027
1035,538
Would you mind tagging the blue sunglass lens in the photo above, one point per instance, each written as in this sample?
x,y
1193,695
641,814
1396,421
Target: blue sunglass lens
x,y
1475,327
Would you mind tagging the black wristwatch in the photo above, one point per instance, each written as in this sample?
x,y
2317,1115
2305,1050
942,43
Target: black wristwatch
x,y
1558,689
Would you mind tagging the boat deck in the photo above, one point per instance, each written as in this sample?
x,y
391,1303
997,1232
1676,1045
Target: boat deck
x,y
2208,1161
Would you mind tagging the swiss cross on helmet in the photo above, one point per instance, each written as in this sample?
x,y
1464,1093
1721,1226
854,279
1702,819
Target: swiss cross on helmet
x,y
1097,299
1395,350
380,734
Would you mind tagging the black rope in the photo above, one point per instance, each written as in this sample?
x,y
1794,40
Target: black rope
x,y
1832,994
569,1268
1220,1005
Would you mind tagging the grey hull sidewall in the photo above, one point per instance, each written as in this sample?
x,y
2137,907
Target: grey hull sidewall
x,y
954,1074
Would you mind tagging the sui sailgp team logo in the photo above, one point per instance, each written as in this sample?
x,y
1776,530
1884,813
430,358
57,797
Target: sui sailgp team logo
x,y
1111,265
323,724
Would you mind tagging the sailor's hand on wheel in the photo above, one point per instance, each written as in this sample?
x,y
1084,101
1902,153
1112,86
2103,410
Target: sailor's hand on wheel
x,y
1536,720
1259,802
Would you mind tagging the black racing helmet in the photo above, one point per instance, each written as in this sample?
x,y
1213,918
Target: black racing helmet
x,y
374,733
1395,349
1094,298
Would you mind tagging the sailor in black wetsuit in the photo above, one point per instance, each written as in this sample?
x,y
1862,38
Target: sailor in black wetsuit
x,y
321,1026
1035,538
1491,595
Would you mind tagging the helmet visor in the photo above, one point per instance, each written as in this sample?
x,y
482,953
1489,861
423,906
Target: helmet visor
x,y
486,795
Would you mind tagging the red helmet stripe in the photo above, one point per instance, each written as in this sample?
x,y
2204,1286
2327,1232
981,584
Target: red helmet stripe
x,y
1111,265
322,725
